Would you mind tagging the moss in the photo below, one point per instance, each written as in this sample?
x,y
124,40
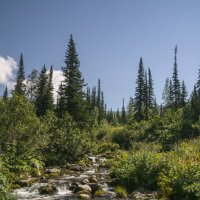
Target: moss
x,y
121,192
100,193
15,186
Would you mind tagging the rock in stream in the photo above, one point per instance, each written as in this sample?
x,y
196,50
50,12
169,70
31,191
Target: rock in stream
x,y
87,183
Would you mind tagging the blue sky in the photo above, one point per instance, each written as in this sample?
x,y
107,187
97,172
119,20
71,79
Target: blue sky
x,y
110,36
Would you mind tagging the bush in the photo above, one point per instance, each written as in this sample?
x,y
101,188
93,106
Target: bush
x,y
175,174
66,142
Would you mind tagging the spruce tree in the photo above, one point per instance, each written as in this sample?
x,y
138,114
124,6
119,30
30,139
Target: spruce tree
x,y
176,89
5,94
123,113
61,102
20,86
99,94
31,86
101,109
93,98
151,96
41,96
88,97
130,111
183,94
146,97
167,94
49,92
198,84
118,115
73,84
139,97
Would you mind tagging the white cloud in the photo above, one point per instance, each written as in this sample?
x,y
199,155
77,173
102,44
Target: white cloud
x,y
7,66
56,80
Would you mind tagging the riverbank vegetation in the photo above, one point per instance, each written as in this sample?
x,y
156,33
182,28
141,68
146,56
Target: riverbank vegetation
x,y
149,147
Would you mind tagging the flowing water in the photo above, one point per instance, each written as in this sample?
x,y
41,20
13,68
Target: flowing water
x,y
64,182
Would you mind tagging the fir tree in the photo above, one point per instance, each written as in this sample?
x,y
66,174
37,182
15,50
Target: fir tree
x,y
5,94
49,92
123,113
31,86
61,102
88,97
99,94
198,84
195,104
151,96
146,96
93,98
41,97
167,95
183,94
130,111
20,86
73,85
176,83
139,97
102,111
118,115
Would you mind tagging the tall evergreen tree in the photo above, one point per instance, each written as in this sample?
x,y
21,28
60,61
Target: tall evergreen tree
x,y
198,84
139,97
49,92
167,95
151,96
176,89
73,84
183,94
20,86
102,109
146,97
93,98
61,101
123,113
99,94
195,104
5,94
31,86
118,115
88,96
41,97
130,111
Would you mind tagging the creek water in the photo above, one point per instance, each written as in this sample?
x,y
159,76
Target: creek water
x,y
64,182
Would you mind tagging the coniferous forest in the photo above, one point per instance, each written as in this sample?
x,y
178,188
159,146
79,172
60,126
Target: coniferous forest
x,y
149,150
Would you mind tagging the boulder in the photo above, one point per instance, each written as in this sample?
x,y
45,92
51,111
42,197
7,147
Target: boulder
x,y
101,193
93,179
85,181
25,183
83,187
84,196
52,171
49,189
95,187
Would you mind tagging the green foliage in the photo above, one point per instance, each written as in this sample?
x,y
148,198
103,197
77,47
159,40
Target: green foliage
x,y
66,142
20,129
122,137
175,174
107,147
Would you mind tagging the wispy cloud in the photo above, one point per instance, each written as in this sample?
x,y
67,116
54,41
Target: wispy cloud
x,y
7,66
